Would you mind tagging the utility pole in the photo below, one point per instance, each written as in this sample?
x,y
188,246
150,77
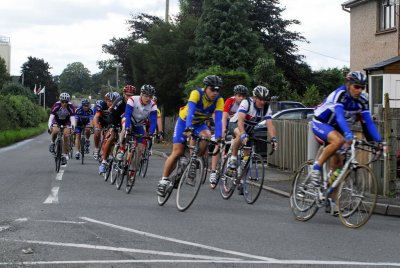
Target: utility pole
x,y
117,67
166,10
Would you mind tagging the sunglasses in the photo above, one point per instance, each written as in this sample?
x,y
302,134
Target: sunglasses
x,y
64,101
215,89
359,87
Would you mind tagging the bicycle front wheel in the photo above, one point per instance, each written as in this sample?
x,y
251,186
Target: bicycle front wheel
x,y
58,148
302,201
253,179
144,163
82,149
174,177
227,184
357,196
189,187
121,173
132,168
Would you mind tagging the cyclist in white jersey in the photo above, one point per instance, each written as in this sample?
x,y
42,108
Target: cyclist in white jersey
x,y
251,112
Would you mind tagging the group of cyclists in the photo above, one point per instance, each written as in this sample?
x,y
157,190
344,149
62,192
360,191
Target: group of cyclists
x,y
237,116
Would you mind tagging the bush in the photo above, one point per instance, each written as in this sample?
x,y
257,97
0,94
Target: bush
x,y
17,89
19,112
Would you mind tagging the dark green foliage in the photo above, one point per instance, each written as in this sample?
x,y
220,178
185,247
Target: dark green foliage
x,y
223,36
18,89
75,78
328,80
229,78
19,112
4,76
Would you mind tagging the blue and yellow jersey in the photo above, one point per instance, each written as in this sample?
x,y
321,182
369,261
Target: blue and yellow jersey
x,y
158,113
204,108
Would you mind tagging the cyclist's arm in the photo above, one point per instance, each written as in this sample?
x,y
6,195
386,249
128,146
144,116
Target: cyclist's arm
x,y
96,120
225,117
270,127
240,122
128,113
51,118
153,122
218,118
193,100
371,128
73,120
339,113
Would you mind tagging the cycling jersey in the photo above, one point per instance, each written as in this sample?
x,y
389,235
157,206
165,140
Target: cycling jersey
x,y
339,110
62,116
231,106
103,113
137,112
253,114
82,117
199,109
117,112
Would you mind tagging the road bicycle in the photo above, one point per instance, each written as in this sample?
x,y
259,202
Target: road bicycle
x,y
356,187
249,173
83,139
71,143
128,166
111,158
59,142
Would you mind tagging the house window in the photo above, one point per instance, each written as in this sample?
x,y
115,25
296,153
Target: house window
x,y
376,90
387,15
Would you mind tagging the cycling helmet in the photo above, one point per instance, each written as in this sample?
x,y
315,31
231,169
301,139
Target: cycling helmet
x,y
85,102
109,96
116,95
261,92
356,77
129,90
99,103
148,90
213,81
240,89
65,97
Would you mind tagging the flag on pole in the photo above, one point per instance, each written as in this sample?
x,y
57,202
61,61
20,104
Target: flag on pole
x,y
42,90
34,90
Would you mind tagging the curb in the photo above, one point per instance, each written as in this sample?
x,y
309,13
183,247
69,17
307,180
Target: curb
x,y
381,209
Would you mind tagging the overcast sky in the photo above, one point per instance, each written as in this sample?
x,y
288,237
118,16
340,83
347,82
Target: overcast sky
x,y
66,31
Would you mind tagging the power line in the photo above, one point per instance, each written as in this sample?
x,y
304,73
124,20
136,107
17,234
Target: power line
x,y
327,56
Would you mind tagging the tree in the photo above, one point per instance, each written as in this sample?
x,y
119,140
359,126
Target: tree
x,y
36,72
327,80
75,78
274,34
4,76
16,89
223,36
191,8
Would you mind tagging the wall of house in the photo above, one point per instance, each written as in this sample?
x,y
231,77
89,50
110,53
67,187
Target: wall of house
x,y
366,46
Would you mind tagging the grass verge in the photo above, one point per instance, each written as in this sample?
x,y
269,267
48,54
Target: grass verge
x,y
8,137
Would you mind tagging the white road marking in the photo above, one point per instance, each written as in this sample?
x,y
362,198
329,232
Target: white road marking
x,y
21,219
4,227
71,222
178,240
53,197
119,249
59,175
291,262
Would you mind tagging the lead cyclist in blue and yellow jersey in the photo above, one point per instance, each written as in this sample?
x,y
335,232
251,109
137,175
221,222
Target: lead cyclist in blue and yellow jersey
x,y
202,104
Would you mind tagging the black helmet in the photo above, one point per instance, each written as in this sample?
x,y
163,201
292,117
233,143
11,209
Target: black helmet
x,y
261,92
356,77
213,81
240,89
148,90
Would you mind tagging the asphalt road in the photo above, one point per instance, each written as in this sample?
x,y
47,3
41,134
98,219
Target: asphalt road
x,y
75,219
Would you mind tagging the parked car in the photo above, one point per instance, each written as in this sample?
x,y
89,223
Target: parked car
x,y
291,114
277,106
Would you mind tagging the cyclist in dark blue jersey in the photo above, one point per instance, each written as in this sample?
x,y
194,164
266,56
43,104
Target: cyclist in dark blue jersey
x,y
84,116
334,117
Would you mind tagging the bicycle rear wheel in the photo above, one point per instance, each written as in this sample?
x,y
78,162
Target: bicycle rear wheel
x,y
115,167
302,203
253,179
109,171
227,185
357,196
189,188
131,173
121,173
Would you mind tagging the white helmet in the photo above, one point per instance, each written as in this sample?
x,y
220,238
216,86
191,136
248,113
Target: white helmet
x,y
261,92
65,97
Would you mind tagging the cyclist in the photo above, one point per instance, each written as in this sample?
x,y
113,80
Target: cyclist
x,y
333,119
201,105
159,130
117,110
230,108
138,109
100,121
84,116
250,112
62,113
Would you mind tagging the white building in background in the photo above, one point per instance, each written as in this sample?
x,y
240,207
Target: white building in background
x,y
5,51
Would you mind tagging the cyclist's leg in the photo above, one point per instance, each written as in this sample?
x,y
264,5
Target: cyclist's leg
x,y
106,150
203,131
54,131
78,131
67,134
